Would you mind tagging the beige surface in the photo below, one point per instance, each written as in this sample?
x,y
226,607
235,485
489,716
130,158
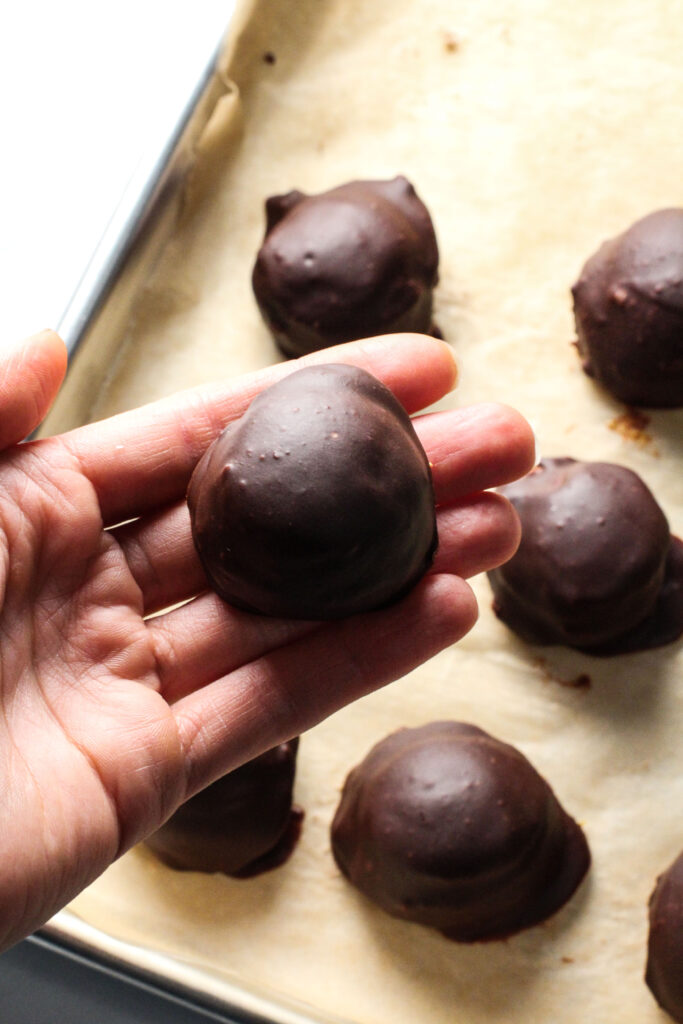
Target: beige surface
x,y
532,130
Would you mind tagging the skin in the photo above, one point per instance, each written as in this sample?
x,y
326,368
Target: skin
x,y
110,719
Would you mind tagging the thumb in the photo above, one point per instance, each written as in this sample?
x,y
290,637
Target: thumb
x,y
30,377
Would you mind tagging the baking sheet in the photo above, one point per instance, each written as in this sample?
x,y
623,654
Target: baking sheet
x,y
532,132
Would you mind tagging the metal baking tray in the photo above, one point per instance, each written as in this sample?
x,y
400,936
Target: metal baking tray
x,y
46,971
168,983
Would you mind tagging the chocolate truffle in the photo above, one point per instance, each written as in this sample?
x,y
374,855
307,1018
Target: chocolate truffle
x,y
242,824
446,826
597,568
628,306
664,972
353,262
318,502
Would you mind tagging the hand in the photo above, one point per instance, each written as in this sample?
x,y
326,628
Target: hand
x,y
109,719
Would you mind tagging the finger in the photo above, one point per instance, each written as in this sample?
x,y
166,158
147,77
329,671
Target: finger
x,y
208,638
297,686
162,557
30,377
478,534
476,448
142,459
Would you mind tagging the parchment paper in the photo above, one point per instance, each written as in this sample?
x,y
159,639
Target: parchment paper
x,y
532,130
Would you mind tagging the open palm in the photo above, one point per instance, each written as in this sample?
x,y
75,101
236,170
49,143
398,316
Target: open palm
x,y
114,710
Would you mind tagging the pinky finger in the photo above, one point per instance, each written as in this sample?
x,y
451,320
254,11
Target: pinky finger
x,y
477,534
293,688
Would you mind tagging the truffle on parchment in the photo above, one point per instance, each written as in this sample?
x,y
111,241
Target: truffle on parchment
x,y
241,825
597,568
628,307
664,970
356,261
446,826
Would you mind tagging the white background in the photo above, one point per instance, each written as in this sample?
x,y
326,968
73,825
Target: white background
x,y
82,86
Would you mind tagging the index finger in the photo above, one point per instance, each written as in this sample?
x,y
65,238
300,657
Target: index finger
x,y
142,459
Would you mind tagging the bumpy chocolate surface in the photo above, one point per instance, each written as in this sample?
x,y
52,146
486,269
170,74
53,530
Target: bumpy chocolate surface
x,y
448,827
597,568
241,825
356,261
628,306
664,972
317,503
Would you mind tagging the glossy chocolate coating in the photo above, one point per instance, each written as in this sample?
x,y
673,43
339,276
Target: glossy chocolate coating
x,y
628,306
448,827
240,825
317,503
664,972
359,260
597,568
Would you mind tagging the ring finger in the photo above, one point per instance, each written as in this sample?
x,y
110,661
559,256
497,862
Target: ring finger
x,y
207,638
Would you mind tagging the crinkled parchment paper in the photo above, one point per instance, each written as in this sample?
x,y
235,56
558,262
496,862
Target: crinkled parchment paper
x,y
533,130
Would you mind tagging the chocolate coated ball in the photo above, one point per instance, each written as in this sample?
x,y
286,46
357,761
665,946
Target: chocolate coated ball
x,y
597,568
628,306
356,261
664,972
240,825
318,502
448,827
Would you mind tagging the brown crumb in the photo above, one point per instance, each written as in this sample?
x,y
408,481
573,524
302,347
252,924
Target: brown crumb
x,y
269,57
567,959
631,425
451,43
580,682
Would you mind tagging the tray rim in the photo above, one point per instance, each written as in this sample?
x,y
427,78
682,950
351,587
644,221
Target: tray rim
x,y
215,991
